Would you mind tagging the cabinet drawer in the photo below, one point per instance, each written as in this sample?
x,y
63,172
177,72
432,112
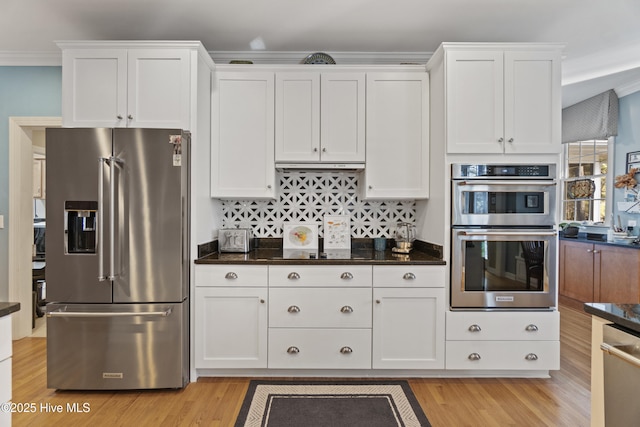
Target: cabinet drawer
x,y
519,326
503,355
5,382
320,348
410,276
320,307
324,276
231,275
5,339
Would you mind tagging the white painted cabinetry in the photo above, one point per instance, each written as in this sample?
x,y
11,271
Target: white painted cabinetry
x,y
242,138
523,340
320,117
230,316
397,158
499,98
320,317
408,317
5,367
129,84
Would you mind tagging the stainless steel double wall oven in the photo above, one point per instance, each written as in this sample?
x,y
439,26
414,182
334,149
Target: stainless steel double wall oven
x,y
504,241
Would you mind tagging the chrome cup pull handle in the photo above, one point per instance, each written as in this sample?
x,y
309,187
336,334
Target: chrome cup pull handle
x,y
293,309
231,275
475,328
293,350
531,357
474,356
346,350
346,309
346,276
409,276
531,328
293,276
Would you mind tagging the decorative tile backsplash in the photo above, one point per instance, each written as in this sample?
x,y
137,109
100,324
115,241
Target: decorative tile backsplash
x,y
306,196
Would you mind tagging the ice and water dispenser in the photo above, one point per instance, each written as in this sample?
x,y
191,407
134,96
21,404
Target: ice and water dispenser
x,y
80,218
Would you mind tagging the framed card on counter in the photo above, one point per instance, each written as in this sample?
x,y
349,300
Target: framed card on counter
x,y
337,232
301,235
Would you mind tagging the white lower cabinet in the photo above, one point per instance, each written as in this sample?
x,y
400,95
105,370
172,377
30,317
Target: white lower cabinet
x,y
322,348
521,340
230,316
408,317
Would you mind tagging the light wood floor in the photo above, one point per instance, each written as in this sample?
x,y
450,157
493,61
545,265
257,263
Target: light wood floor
x,y
562,400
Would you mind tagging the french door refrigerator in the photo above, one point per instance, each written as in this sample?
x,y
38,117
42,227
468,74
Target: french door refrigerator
x,y
117,258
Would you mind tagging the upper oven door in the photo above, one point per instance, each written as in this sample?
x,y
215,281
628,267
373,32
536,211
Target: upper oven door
x,y
504,203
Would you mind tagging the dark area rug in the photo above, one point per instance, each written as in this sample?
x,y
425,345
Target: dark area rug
x,y
330,404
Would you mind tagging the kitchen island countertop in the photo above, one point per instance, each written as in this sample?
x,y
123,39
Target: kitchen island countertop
x,y
6,308
625,315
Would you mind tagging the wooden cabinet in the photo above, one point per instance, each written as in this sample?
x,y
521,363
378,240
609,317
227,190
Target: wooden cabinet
x,y
397,158
230,317
319,117
499,98
128,84
242,139
599,272
408,317
498,341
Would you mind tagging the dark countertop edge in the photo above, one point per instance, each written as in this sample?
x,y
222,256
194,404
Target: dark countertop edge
x,y
205,261
7,308
598,242
604,313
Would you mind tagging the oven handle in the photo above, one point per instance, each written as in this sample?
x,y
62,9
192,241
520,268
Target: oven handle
x,y
514,183
508,233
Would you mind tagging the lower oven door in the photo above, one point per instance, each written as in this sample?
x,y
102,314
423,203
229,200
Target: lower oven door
x,y
504,268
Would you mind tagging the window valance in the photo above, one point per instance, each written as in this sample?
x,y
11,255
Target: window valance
x,y
593,118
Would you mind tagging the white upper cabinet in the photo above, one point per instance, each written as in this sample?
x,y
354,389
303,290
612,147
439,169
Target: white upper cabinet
x,y
397,158
127,86
242,137
320,117
500,99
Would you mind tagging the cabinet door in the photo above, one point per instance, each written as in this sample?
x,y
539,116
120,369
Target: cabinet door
x,y
94,88
242,147
342,117
408,328
576,270
231,328
397,154
297,117
616,274
475,101
532,111
158,88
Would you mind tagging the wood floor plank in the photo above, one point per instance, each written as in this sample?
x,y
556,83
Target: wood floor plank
x,y
562,400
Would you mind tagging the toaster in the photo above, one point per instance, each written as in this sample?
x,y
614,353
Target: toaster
x,y
235,240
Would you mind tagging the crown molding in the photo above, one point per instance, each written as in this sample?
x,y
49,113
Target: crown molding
x,y
30,59
341,58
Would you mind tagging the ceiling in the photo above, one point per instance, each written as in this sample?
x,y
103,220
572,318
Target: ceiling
x,y
602,37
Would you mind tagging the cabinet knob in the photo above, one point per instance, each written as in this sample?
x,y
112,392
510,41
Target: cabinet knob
x,y
371,187
269,187
293,309
531,357
293,350
346,309
293,276
510,140
475,328
409,276
346,276
324,150
346,350
261,301
595,251
315,149
474,356
531,328
231,275
501,140
119,116
378,301
130,117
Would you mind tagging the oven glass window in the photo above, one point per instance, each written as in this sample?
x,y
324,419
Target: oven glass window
x,y
506,202
509,266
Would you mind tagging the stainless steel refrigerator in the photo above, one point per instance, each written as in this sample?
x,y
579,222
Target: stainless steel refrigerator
x,y
117,258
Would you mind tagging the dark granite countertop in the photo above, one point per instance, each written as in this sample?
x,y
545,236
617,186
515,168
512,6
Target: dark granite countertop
x,y
7,308
625,315
596,240
269,252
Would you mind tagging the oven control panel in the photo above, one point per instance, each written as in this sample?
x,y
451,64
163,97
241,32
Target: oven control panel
x,y
508,171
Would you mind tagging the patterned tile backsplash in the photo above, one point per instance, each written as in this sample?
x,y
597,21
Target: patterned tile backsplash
x,y
305,196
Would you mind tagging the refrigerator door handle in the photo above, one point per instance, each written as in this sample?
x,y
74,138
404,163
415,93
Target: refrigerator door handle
x,y
101,162
57,313
112,221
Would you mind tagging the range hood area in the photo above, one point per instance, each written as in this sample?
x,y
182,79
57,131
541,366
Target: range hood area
x,y
320,166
